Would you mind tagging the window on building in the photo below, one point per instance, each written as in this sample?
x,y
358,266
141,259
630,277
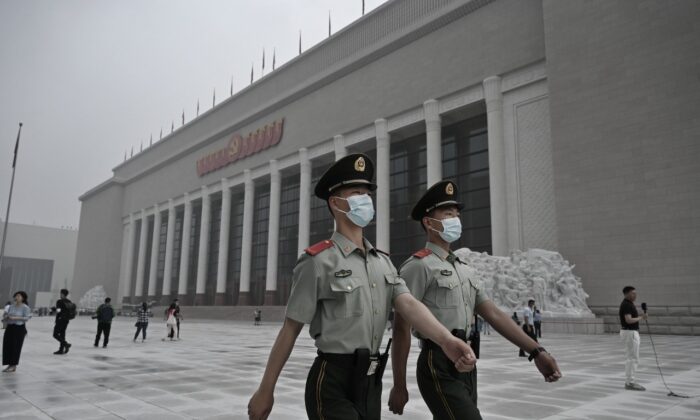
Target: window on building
x,y
466,160
162,239
177,247
235,237
213,263
148,225
135,257
258,270
408,183
194,251
288,235
321,221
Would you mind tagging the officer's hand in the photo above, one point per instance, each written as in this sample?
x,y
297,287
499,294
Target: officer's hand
x,y
548,367
260,405
398,397
460,353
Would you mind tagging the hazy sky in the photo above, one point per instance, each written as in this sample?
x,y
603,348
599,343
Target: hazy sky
x,y
92,78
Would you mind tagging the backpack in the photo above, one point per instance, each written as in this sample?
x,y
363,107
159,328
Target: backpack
x,y
71,310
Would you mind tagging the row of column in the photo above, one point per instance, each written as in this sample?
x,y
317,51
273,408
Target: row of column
x,y
433,126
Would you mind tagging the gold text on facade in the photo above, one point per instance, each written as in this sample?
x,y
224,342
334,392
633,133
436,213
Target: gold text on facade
x,y
239,147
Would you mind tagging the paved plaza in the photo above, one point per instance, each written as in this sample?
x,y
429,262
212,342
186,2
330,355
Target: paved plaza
x,y
212,371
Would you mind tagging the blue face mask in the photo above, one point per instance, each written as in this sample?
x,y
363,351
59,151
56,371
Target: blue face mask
x,y
361,209
451,229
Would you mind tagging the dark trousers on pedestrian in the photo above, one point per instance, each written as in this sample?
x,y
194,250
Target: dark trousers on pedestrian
x,y
12,344
448,393
329,394
103,328
141,328
531,333
59,333
538,329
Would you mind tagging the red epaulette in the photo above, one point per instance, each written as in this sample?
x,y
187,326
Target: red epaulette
x,y
422,253
383,252
319,247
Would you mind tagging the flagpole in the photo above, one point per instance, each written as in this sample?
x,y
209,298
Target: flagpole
x,y
9,200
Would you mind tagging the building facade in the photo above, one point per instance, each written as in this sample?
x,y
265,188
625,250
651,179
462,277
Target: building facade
x,y
37,259
540,110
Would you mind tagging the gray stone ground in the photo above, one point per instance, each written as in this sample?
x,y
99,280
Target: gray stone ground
x,y
212,371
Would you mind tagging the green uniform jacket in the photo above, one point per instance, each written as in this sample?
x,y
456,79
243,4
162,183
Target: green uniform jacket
x,y
345,297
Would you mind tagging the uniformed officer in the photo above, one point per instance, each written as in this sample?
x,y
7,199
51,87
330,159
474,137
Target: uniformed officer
x,y
344,288
450,290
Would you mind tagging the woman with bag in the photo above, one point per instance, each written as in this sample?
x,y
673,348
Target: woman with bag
x,y
170,321
16,316
142,322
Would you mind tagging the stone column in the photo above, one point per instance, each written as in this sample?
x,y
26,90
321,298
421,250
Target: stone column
x,y
169,243
339,147
383,184
141,264
497,165
304,200
222,265
273,233
129,266
203,256
244,297
185,252
433,141
155,244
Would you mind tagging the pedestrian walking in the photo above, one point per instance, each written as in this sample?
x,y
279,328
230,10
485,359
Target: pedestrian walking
x,y
345,288
16,316
257,316
451,291
170,321
142,322
538,323
104,315
528,324
65,311
486,327
178,318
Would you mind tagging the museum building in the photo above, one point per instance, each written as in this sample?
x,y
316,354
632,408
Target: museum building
x,y
560,130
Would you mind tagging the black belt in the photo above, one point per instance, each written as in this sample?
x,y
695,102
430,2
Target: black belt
x,y
629,329
343,360
431,345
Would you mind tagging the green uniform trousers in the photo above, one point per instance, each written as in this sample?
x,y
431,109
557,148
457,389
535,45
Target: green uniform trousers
x,y
329,394
449,394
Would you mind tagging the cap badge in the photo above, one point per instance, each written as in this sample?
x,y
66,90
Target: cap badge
x,y
449,189
360,164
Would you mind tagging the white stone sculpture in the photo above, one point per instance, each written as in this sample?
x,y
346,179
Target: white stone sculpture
x,y
93,298
538,274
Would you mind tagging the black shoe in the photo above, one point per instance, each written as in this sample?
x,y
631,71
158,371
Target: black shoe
x,y
58,352
68,346
104,347
97,345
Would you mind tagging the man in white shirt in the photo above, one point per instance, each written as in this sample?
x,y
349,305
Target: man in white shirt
x,y
529,323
